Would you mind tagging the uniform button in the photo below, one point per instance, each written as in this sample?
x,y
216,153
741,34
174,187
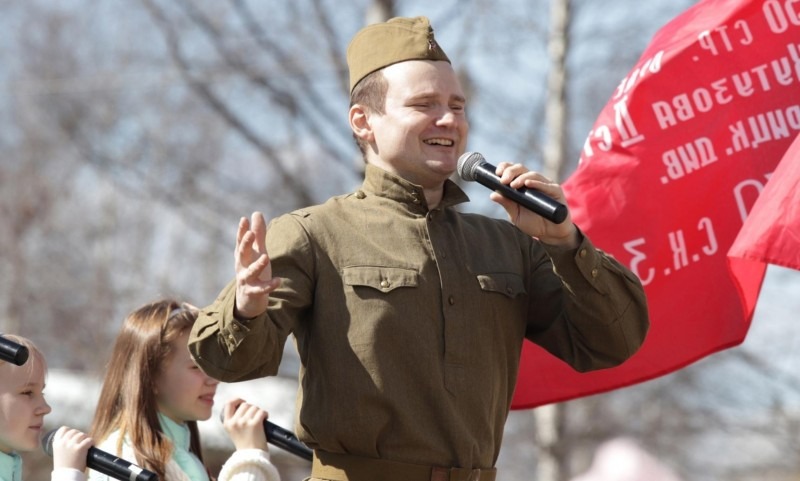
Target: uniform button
x,y
451,300
384,283
236,327
444,255
509,290
594,272
583,253
360,194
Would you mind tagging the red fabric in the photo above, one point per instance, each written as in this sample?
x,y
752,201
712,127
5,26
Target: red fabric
x,y
771,233
669,172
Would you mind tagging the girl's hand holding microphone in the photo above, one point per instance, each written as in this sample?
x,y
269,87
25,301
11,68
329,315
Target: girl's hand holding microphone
x,y
244,423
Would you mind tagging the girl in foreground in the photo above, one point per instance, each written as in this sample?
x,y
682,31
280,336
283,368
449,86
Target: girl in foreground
x,y
154,394
22,412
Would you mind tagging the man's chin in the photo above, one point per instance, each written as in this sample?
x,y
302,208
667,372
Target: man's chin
x,y
444,162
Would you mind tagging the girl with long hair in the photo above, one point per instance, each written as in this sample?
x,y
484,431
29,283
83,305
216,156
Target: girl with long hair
x,y
153,395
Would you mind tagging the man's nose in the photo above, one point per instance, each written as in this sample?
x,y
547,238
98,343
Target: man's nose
x,y
448,117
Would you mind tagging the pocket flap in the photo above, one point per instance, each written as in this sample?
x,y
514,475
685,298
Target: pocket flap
x,y
508,284
384,279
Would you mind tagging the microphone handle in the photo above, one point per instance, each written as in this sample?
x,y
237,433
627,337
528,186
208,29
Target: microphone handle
x,y
285,439
533,200
116,467
13,352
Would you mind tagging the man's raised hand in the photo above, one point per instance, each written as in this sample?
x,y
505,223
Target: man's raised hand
x,y
254,279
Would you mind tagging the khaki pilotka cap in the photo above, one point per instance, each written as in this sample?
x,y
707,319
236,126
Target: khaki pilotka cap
x,y
396,40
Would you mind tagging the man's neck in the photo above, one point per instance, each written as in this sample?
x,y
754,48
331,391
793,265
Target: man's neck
x,y
433,196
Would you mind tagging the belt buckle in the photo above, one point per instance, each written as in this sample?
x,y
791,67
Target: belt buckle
x,y
475,475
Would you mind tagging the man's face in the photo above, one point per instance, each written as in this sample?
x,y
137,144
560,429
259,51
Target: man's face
x,y
423,129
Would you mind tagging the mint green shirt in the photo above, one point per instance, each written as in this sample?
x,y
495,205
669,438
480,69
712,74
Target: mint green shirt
x,y
180,436
10,467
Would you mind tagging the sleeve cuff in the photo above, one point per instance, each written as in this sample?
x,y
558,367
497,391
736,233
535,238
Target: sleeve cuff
x,y
249,465
67,474
580,265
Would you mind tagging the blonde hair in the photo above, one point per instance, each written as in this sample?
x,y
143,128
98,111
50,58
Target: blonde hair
x,y
127,399
34,356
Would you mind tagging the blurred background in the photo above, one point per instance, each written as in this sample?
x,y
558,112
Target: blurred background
x,y
135,134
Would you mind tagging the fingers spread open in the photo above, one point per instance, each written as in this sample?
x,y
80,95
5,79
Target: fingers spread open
x,y
259,227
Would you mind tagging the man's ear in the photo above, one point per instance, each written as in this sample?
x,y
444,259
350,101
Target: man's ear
x,y
359,121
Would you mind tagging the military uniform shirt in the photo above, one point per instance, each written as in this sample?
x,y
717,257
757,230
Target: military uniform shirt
x,y
409,321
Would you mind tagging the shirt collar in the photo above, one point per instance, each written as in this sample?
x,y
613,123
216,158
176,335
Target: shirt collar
x,y
177,433
10,464
385,184
180,436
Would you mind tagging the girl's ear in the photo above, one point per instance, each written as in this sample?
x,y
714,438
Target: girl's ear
x,y
360,123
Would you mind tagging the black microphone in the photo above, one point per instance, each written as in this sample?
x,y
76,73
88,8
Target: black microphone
x,y
284,439
106,463
473,167
13,352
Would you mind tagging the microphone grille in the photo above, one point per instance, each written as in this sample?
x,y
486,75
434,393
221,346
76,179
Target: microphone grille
x,y
467,163
47,442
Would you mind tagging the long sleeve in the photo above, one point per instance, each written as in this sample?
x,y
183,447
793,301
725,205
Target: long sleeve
x,y
597,315
249,465
232,350
67,474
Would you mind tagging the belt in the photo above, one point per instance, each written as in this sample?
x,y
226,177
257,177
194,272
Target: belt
x,y
345,467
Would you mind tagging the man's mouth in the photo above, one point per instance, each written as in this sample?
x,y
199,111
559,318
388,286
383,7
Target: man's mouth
x,y
440,141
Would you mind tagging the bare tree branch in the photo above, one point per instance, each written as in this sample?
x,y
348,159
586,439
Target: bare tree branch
x,y
287,179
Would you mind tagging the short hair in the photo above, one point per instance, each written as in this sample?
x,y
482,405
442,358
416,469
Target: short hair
x,y
370,92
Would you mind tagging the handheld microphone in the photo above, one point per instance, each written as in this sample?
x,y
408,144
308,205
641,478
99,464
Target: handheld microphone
x,y
106,463
473,167
13,352
284,439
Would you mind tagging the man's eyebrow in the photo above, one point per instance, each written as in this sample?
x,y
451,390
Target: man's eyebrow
x,y
423,96
431,95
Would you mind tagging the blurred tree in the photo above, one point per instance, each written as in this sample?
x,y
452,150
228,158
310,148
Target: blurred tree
x,y
137,132
553,454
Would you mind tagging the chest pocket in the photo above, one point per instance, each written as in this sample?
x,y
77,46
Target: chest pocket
x,y
384,279
507,284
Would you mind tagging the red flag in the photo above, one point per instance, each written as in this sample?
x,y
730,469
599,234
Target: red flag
x,y
668,174
771,233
